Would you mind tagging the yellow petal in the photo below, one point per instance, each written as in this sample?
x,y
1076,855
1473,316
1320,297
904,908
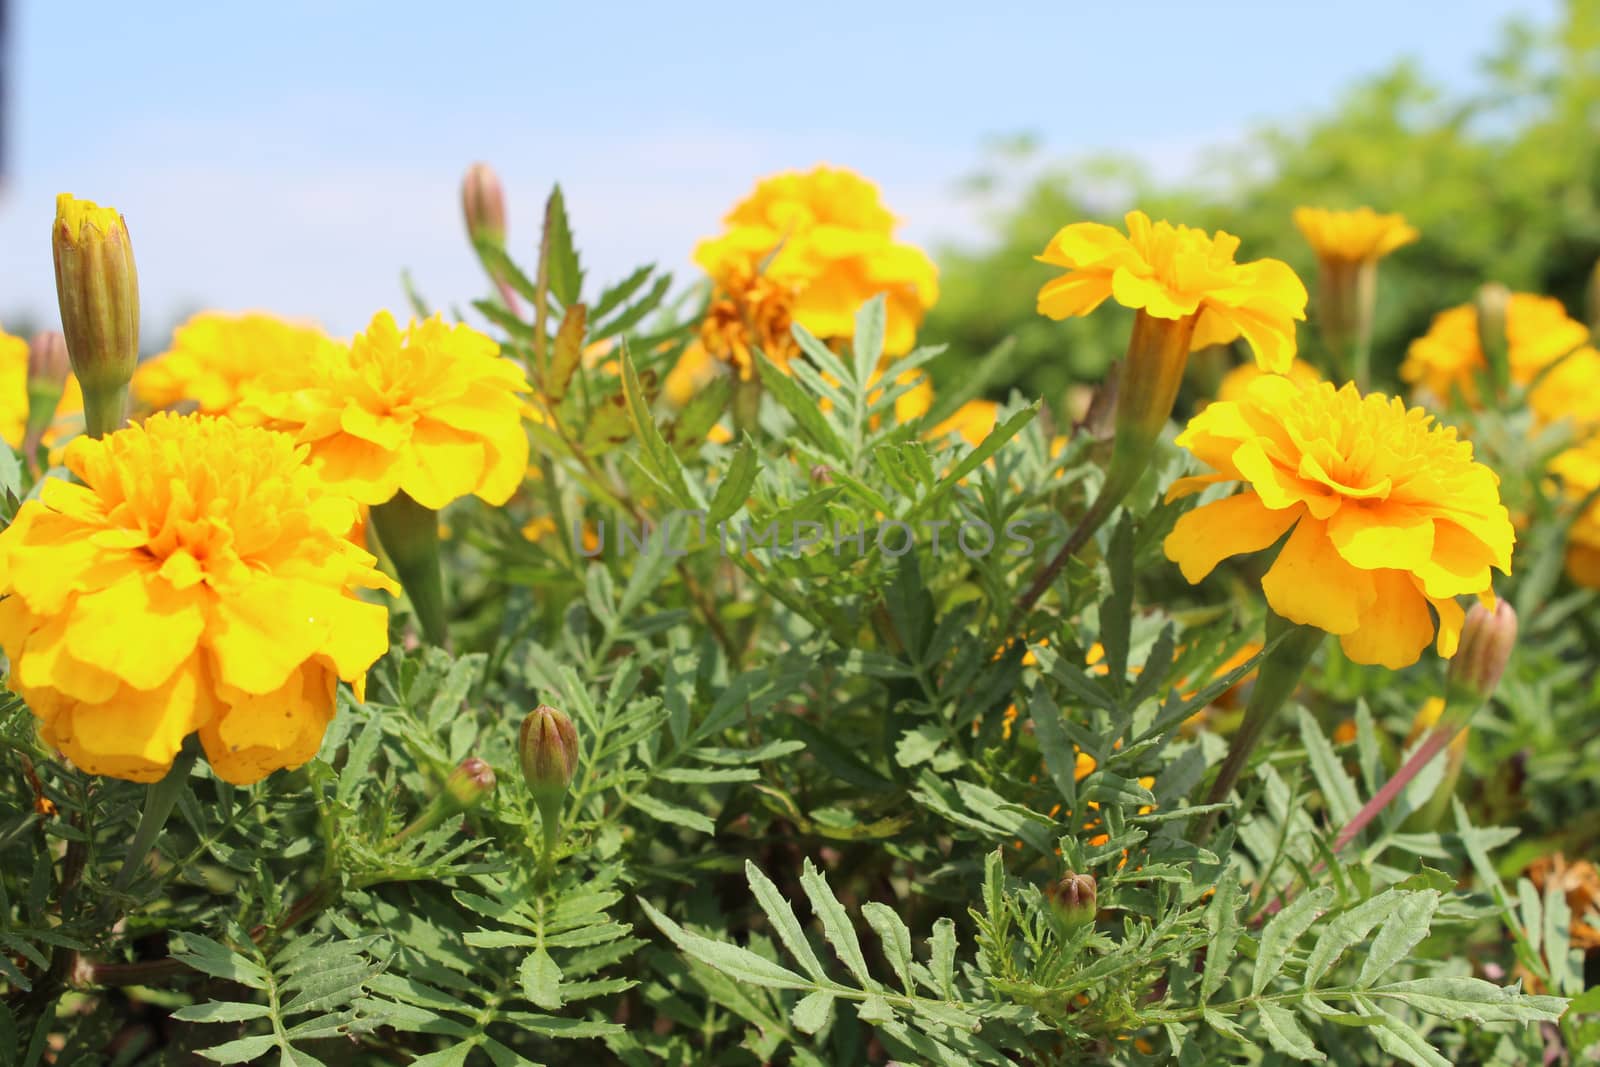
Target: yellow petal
x,y
1206,536
1310,584
1395,628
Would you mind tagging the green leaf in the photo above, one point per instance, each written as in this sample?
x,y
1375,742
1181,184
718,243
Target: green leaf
x,y
1116,614
1472,1000
1346,930
1060,758
216,1011
673,813
241,1051
734,488
10,473
1222,922
1285,1034
737,963
219,961
868,340
659,459
566,279
943,961
836,926
1278,937
895,937
812,1012
801,407
541,980
567,353
1338,789
1407,925
784,923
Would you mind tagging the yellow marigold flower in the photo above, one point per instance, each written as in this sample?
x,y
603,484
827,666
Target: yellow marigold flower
x,y
1579,470
431,410
1359,236
1389,514
973,421
14,396
1237,380
217,359
826,235
1181,275
198,580
1570,390
749,311
693,372
1450,356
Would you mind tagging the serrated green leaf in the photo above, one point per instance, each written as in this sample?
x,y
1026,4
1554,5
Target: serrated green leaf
x,y
1399,934
1278,937
1222,922
243,1050
1346,930
895,937
943,960
734,488
1285,1034
541,980
216,1011
836,926
1471,999
1338,789
812,1012
737,963
800,406
784,923
675,814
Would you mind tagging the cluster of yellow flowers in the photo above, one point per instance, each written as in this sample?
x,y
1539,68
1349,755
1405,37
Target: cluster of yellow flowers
x,y
809,249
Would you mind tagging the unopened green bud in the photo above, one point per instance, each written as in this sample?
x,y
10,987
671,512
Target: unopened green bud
x,y
483,203
48,368
1492,303
548,749
98,290
1487,638
1074,898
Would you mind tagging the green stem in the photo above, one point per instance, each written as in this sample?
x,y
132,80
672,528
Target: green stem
x,y
1275,683
550,831
409,533
104,410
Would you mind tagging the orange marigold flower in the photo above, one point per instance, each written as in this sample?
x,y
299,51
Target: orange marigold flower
x,y
825,235
14,396
1386,514
431,410
217,359
749,311
1179,274
199,580
1450,357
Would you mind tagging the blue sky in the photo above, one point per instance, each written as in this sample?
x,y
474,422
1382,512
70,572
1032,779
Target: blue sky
x,y
295,156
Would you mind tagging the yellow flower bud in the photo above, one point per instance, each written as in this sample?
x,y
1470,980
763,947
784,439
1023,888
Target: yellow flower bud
x,y
98,289
483,203
48,368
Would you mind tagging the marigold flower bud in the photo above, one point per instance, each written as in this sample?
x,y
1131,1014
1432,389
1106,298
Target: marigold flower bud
x,y
1492,303
1074,898
470,783
548,749
1487,638
98,290
483,203
48,368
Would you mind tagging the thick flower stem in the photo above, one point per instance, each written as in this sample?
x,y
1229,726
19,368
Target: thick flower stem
x,y
1158,350
104,410
1280,674
409,533
1436,742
